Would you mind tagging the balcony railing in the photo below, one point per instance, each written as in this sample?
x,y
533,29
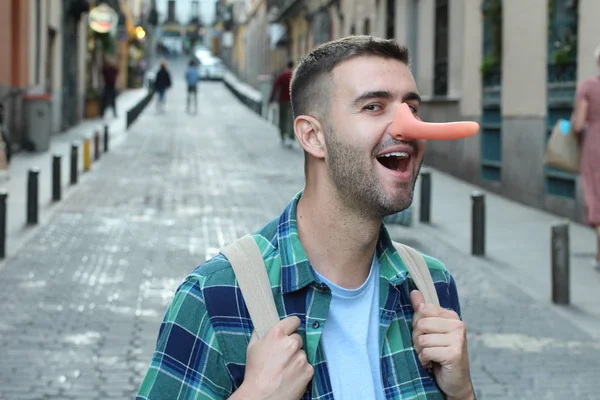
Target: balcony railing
x,y
562,73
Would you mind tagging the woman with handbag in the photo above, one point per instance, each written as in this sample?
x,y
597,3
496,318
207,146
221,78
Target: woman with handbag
x,y
586,114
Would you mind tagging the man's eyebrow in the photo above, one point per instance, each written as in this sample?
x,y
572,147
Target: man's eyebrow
x,y
376,94
412,96
384,94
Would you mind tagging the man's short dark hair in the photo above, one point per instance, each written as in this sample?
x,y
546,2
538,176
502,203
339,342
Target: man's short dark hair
x,y
290,64
310,87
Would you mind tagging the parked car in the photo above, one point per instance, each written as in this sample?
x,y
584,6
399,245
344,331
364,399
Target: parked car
x,y
211,68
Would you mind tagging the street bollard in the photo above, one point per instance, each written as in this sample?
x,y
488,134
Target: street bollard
x,y
32,196
560,263
96,146
87,156
478,224
425,208
105,138
3,197
74,163
56,181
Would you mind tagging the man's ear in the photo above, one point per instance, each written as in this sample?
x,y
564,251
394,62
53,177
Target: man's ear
x,y
310,134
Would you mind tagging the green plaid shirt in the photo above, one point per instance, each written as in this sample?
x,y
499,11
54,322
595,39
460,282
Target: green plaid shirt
x,y
201,347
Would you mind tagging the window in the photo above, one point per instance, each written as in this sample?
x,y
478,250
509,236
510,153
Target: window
x,y
390,20
367,27
353,30
440,84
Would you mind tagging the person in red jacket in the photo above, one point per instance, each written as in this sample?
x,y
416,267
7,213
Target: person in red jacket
x,y
280,93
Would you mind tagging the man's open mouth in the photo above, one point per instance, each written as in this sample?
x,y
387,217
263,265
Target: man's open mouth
x,y
396,161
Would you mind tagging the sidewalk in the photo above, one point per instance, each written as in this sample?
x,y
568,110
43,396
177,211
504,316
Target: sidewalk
x,y
16,229
517,245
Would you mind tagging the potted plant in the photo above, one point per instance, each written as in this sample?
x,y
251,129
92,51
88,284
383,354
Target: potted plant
x,y
92,103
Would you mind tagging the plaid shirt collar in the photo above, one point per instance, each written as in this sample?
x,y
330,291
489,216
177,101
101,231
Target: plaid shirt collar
x,y
296,271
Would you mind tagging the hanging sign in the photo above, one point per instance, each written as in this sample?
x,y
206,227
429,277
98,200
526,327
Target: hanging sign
x,y
103,19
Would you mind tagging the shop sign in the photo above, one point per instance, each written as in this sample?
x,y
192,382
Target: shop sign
x,y
103,19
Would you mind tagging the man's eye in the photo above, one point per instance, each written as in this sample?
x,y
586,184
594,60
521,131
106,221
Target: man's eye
x,y
414,109
372,107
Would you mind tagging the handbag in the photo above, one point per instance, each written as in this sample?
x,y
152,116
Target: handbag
x,y
563,151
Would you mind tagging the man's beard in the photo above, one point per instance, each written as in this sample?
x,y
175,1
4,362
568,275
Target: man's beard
x,y
357,184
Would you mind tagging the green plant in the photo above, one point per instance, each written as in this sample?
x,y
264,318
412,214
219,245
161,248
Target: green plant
x,y
92,94
489,63
563,56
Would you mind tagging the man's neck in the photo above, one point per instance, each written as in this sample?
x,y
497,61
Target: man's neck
x,y
339,242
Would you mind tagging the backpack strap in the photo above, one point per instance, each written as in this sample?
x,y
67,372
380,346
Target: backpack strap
x,y
249,268
419,272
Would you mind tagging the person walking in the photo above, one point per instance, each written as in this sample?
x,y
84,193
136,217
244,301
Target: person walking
x,y
162,82
192,77
586,115
110,72
280,93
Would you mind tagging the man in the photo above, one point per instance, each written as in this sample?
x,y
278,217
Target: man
x,y
192,77
109,75
162,82
352,326
281,90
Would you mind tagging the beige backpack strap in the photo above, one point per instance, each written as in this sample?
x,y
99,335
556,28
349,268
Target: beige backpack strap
x,y
419,272
249,268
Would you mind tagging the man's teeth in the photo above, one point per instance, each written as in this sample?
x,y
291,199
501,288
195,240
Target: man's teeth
x,y
400,154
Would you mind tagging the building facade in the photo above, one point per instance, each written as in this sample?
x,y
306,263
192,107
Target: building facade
x,y
512,66
45,43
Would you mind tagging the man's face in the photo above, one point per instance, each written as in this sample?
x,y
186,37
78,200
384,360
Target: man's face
x,y
366,93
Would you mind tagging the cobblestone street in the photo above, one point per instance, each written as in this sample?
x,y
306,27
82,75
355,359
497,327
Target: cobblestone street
x,y
82,301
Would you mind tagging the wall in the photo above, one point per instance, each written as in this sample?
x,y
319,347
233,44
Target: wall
x,y
524,106
6,42
55,22
81,60
14,71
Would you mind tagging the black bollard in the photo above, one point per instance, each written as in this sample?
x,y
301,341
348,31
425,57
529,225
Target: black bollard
x,y
32,196
56,180
560,263
96,145
74,164
3,197
478,224
105,138
425,208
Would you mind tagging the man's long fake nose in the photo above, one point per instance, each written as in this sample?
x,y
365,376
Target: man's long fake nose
x,y
405,126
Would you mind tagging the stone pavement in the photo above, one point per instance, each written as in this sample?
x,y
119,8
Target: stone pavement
x,y
60,145
81,304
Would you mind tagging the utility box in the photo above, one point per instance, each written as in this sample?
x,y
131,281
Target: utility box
x,y
38,120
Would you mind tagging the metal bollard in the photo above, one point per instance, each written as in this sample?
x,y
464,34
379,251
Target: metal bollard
x,y
478,224
560,263
96,146
32,196
87,156
74,164
425,208
105,138
56,180
3,197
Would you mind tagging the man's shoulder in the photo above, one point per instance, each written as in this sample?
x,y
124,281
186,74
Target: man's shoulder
x,y
216,274
444,283
437,268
